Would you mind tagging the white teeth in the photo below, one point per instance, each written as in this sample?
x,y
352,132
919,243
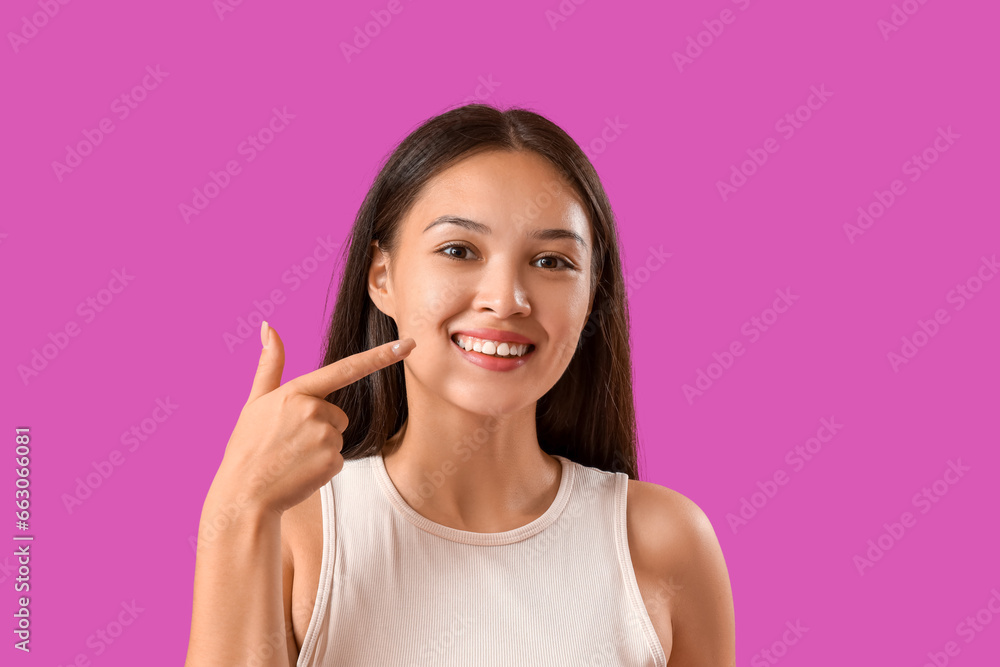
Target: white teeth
x,y
490,347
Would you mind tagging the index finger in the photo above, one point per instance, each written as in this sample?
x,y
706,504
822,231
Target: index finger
x,y
323,381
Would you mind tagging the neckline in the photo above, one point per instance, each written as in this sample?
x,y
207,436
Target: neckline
x,y
471,537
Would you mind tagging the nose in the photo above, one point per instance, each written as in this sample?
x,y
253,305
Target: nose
x,y
501,290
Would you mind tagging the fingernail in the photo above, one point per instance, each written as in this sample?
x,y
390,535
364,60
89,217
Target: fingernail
x,y
265,333
402,347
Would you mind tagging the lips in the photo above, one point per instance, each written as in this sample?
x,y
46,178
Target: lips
x,y
494,363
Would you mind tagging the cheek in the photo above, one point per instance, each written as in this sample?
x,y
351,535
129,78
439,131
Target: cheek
x,y
426,303
562,311
564,318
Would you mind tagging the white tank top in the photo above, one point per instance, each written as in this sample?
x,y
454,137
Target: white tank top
x,y
396,588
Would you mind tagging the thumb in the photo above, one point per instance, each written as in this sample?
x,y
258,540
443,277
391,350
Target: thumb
x,y
272,362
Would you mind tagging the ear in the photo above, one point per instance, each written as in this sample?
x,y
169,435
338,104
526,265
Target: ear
x,y
378,281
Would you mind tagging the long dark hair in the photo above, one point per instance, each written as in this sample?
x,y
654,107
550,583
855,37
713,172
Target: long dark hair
x,y
588,416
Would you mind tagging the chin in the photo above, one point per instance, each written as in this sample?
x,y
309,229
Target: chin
x,y
487,401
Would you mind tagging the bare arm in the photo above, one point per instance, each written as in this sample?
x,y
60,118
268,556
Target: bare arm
x,y
703,613
238,609
673,544
287,572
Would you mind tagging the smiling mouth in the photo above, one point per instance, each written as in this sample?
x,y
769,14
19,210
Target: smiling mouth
x,y
529,350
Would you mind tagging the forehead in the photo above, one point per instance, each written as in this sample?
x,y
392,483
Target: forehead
x,y
502,189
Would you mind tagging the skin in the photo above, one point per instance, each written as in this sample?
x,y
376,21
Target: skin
x,y
503,280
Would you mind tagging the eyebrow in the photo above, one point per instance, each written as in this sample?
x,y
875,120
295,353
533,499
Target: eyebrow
x,y
480,228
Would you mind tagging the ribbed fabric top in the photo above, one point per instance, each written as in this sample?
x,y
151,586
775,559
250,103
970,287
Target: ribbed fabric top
x,y
396,588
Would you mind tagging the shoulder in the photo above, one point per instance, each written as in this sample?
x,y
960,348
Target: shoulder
x,y
669,528
672,542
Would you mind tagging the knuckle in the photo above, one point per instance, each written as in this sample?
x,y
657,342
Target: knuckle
x,y
333,459
330,456
286,400
333,441
326,431
314,410
340,416
301,405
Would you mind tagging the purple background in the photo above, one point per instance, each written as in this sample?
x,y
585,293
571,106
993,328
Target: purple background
x,y
681,129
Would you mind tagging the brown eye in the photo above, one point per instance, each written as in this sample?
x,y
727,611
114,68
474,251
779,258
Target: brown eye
x,y
556,258
446,250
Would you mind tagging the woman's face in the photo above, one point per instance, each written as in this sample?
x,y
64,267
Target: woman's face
x,y
505,269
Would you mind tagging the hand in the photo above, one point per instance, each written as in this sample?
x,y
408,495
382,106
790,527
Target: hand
x,y
288,438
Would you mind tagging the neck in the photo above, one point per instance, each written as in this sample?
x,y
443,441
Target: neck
x,y
475,472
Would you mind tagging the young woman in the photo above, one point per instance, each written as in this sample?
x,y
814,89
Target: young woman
x,y
478,503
